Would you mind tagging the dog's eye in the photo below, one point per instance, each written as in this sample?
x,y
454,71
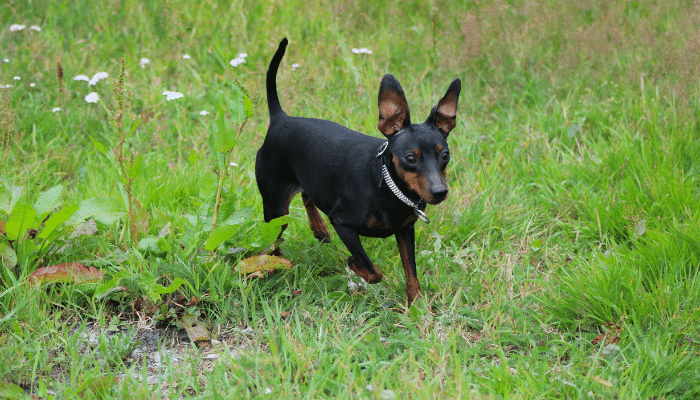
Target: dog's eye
x,y
445,156
411,159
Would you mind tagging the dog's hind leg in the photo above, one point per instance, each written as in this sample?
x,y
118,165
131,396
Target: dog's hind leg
x,y
318,226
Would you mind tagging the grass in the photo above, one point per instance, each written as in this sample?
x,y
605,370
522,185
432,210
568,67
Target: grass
x,y
565,262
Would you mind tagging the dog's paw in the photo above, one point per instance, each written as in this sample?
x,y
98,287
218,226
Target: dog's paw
x,y
366,274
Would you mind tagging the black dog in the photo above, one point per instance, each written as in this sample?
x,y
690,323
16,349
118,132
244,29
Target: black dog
x,y
365,185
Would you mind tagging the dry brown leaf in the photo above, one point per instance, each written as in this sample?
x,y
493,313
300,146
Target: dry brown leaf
x,y
69,272
262,263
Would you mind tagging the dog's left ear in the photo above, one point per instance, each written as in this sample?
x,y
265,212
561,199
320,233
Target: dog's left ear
x,y
393,107
444,114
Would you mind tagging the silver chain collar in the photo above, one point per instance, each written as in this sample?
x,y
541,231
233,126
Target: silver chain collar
x,y
397,192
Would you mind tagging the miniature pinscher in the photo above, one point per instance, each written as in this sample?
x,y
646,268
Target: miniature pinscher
x,y
365,185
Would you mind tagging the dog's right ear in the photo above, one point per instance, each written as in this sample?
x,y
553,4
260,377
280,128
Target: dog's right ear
x,y
393,107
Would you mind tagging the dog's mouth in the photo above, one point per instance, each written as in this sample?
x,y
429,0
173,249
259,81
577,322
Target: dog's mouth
x,y
435,199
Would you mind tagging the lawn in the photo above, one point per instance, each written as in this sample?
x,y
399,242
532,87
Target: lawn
x,y
565,262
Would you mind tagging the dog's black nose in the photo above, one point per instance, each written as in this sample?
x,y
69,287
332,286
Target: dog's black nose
x,y
440,194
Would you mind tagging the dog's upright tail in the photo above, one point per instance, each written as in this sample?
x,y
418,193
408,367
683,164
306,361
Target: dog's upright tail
x,y
273,101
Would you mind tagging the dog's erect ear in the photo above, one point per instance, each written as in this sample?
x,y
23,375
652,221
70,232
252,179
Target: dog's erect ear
x,y
393,107
444,114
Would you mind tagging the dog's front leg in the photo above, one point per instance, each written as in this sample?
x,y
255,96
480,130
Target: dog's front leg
x,y
406,240
359,262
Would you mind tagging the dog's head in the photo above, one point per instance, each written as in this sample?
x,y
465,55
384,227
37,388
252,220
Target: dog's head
x,y
419,151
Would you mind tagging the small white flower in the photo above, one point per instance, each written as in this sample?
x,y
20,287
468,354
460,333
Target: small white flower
x,y
295,66
17,27
233,164
186,57
56,109
144,61
369,387
35,28
8,86
268,391
240,59
172,95
16,78
362,50
92,97
97,77
204,113
82,78
32,84
6,60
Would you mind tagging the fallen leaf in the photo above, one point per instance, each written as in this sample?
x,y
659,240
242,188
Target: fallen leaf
x,y
285,314
196,330
296,292
69,272
261,263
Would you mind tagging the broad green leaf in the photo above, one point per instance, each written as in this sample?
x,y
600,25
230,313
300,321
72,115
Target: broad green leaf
x,y
21,219
247,106
8,254
153,244
271,230
177,282
105,210
137,167
48,201
11,391
219,235
222,133
9,196
56,220
5,199
237,110
239,216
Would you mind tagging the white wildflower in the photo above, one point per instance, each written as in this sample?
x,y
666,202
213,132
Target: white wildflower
x,y
35,28
233,164
172,95
92,97
144,61
17,27
32,84
82,78
295,66
16,78
240,59
186,57
97,77
6,60
268,391
204,113
362,50
56,109
8,86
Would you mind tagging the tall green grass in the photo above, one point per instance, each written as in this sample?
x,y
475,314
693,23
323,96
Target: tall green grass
x,y
573,209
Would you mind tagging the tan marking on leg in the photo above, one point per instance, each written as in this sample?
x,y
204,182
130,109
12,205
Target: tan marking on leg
x,y
318,225
412,283
365,274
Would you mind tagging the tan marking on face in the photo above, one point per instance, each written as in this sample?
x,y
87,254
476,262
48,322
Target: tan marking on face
x,y
439,149
416,182
417,153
